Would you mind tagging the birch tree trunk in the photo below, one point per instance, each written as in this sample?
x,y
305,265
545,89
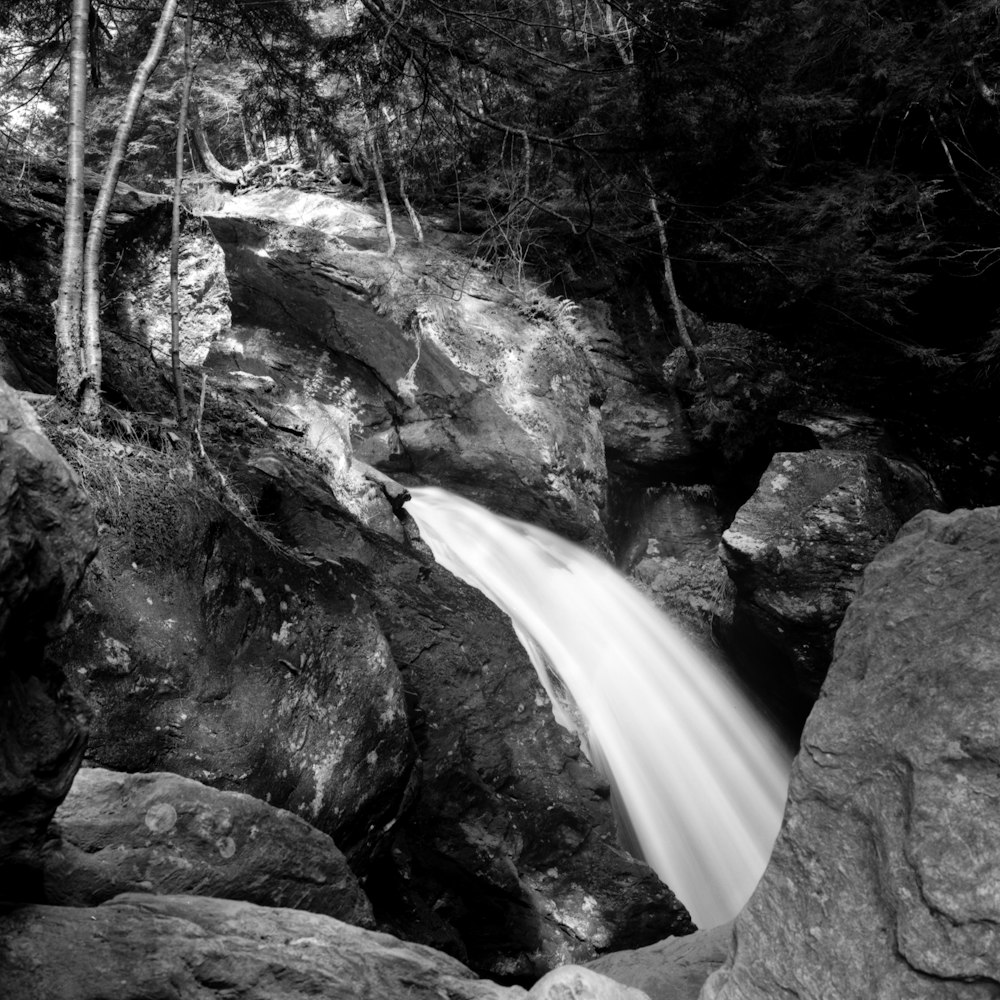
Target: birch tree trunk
x,y
68,303
175,231
90,401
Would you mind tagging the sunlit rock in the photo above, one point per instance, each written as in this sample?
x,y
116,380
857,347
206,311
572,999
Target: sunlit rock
x,y
449,377
573,982
798,546
139,287
885,880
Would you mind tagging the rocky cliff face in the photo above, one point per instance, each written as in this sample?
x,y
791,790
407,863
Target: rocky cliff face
x,y
884,880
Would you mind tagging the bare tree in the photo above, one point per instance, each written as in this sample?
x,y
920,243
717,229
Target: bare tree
x,y
67,306
668,275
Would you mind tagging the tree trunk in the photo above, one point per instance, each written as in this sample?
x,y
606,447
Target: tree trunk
x,y
263,132
175,232
375,161
94,24
668,276
90,402
68,304
418,230
357,170
215,168
247,144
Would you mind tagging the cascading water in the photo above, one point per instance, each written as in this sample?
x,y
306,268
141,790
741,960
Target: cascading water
x,y
700,774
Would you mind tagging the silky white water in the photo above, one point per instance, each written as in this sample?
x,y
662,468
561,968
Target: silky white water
x,y
699,772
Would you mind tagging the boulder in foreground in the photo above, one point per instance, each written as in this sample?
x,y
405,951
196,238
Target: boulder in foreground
x,y
138,947
885,880
167,834
47,537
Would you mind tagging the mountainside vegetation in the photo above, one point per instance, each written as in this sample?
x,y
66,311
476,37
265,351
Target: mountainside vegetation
x,y
828,167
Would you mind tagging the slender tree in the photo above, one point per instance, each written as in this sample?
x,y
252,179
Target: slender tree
x,y
175,234
374,157
68,304
668,275
91,336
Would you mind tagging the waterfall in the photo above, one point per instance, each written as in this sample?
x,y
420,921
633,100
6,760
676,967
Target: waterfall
x,y
700,774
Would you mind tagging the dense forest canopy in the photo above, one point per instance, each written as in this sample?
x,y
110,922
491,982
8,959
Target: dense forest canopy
x,y
820,165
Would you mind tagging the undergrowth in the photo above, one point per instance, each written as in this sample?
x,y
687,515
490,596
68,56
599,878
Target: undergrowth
x,y
149,491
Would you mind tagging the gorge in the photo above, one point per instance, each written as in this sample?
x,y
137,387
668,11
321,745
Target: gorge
x,y
264,643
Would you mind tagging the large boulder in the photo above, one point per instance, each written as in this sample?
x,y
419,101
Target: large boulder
x,y
196,948
211,650
452,379
884,879
139,946
47,537
645,433
161,833
139,287
796,550
576,982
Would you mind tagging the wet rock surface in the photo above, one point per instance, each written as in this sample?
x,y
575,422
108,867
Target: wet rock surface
x,y
796,550
884,878
165,834
508,857
512,839
296,669
47,537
